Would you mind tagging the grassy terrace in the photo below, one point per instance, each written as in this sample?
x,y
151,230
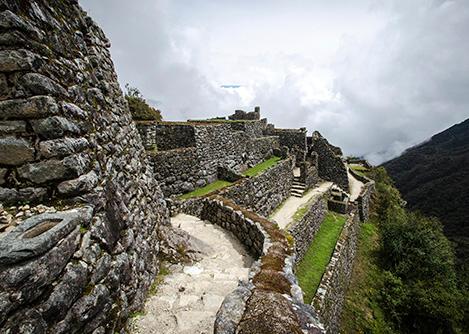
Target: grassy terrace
x,y
219,184
263,166
311,268
360,170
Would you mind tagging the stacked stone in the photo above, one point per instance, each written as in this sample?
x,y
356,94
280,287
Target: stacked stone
x,y
304,230
67,141
330,164
183,168
265,192
329,299
294,139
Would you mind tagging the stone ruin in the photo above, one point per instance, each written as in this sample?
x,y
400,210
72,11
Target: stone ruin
x,y
86,193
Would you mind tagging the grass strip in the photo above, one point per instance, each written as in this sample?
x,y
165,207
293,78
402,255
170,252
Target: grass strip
x,y
311,268
209,188
263,166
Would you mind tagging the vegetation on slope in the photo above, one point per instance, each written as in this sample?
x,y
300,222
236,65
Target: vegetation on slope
x,y
404,278
263,166
313,265
209,188
139,108
434,178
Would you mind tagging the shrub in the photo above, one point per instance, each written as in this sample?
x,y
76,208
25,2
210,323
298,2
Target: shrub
x,y
139,108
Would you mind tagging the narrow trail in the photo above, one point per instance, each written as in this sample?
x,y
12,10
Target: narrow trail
x,y
189,298
284,216
354,185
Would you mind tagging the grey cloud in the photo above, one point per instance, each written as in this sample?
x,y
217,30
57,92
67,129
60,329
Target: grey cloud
x,y
408,83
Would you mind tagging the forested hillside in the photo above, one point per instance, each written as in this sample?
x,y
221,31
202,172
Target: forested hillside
x,y
433,178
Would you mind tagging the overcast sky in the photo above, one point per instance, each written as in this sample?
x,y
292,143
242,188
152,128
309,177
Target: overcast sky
x,y
374,77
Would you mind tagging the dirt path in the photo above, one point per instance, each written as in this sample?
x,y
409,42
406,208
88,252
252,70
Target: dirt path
x,y
284,216
354,185
188,299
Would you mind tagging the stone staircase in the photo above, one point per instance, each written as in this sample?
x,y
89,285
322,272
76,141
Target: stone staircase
x,y
298,187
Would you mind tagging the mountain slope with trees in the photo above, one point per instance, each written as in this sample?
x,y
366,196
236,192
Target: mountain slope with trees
x,y
433,178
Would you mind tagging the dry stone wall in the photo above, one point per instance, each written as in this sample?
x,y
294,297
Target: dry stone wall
x,y
304,230
330,164
294,139
163,136
67,140
216,145
329,298
265,192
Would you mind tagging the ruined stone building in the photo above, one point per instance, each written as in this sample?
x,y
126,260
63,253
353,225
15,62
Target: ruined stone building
x,y
87,193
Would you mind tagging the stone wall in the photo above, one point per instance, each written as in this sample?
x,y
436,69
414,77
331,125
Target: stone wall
x,y
330,164
294,139
178,171
265,192
67,140
365,196
304,230
243,115
309,170
329,298
216,145
252,128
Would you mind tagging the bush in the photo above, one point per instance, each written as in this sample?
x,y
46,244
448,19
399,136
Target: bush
x,y
139,108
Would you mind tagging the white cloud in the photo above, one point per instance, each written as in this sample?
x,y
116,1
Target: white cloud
x,y
373,77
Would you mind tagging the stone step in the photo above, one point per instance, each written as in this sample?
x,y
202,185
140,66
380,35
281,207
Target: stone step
x,y
300,188
299,184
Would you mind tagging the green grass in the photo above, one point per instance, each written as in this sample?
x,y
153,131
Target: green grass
x,y
219,184
362,313
360,170
259,168
311,268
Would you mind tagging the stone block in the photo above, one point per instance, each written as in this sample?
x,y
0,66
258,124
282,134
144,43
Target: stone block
x,y
62,147
34,107
18,60
53,169
38,234
54,127
15,151
3,173
9,127
82,184
38,84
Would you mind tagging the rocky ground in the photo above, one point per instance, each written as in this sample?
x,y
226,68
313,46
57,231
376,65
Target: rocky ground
x,y
12,216
189,297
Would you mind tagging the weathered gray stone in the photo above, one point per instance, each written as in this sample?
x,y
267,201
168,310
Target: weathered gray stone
x,y
4,92
62,147
231,311
3,173
8,127
102,268
34,107
9,20
39,84
18,60
29,279
38,234
54,127
73,110
82,184
53,169
70,287
15,151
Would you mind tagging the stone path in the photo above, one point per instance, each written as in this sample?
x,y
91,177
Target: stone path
x,y
189,298
354,185
284,216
